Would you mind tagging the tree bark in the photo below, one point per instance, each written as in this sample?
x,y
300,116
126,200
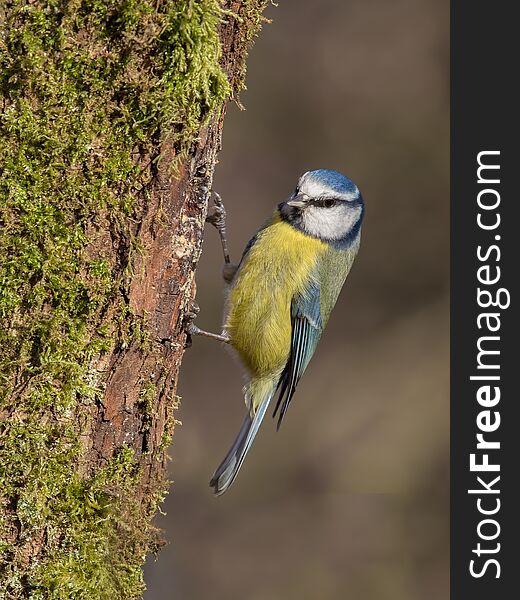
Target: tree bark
x,y
106,189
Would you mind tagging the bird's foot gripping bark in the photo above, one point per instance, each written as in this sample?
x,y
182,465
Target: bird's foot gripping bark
x,y
217,217
191,329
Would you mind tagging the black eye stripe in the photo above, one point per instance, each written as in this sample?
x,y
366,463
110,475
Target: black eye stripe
x,y
324,202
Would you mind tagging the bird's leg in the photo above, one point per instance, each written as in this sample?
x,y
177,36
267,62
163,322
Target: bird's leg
x,y
218,219
191,329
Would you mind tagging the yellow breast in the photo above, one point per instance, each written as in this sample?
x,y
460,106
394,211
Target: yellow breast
x,y
258,320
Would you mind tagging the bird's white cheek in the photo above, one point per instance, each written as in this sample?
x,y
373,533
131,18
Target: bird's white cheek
x,y
330,223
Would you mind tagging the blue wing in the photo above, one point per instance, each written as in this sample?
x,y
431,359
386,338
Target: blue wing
x,y
306,332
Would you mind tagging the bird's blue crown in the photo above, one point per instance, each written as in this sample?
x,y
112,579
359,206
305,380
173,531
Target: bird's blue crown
x,y
334,180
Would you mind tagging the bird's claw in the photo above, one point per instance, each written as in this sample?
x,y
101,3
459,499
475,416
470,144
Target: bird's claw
x,y
217,216
188,325
191,314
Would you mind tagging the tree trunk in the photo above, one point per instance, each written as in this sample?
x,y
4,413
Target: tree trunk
x,y
111,121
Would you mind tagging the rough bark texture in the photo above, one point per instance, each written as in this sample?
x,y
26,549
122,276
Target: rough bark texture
x,y
105,181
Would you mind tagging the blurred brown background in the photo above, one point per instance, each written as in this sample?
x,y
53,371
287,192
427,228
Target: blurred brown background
x,y
350,498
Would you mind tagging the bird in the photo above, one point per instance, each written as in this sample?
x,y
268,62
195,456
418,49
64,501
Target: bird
x,y
281,295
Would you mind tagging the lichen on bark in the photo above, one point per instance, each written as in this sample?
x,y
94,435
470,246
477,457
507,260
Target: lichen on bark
x,y
111,112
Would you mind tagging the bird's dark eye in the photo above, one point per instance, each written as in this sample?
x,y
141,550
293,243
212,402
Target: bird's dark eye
x,y
329,203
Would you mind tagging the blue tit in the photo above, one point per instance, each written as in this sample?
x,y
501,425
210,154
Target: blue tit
x,y
281,296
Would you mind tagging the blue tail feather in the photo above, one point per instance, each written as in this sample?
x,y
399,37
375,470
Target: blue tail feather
x,y
228,469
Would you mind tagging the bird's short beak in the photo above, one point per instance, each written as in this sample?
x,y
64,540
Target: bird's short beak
x,y
297,202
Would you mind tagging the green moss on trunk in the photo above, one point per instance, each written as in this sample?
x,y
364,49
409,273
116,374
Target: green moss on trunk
x,y
89,90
